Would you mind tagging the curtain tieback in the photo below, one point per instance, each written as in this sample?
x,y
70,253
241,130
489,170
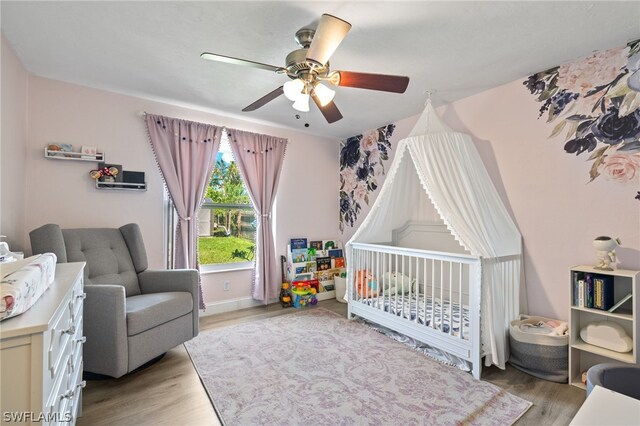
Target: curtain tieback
x,y
266,215
184,218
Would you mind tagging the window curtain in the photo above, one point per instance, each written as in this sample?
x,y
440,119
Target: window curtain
x,y
185,152
259,159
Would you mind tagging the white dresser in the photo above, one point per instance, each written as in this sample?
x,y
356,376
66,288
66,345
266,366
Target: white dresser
x,y
41,355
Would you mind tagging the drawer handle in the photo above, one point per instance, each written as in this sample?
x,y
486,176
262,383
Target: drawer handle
x,y
68,394
82,384
83,339
70,330
81,296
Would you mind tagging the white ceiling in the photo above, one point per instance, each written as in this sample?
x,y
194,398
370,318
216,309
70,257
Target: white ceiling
x,y
151,49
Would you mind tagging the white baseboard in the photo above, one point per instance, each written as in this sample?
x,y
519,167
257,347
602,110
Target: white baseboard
x,y
229,306
247,302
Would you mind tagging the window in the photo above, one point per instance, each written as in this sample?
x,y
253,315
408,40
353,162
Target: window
x,y
227,221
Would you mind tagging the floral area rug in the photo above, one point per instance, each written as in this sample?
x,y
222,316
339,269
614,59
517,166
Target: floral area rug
x,y
315,367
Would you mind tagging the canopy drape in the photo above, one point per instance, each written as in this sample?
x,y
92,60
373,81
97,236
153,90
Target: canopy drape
x,y
441,168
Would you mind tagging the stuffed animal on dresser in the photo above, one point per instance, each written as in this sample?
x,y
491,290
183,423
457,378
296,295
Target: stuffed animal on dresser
x,y
396,282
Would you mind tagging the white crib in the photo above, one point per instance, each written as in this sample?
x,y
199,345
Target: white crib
x,y
441,307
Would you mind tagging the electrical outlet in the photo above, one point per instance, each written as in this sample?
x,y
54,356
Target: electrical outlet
x,y
226,286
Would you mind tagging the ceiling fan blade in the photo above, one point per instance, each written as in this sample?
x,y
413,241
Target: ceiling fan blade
x,y
329,34
264,100
383,82
243,62
330,111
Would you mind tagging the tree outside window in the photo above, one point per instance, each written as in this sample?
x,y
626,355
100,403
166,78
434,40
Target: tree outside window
x,y
227,221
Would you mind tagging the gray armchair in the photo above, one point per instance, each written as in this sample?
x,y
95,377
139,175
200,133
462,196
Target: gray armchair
x,y
131,314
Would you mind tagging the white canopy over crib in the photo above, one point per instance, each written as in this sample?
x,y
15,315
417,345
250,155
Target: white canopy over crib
x,y
438,177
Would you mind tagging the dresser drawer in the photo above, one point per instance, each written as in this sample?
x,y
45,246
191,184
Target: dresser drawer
x,y
77,300
75,357
76,385
58,398
60,335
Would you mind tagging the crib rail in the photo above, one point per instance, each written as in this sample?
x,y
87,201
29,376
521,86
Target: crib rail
x,y
428,295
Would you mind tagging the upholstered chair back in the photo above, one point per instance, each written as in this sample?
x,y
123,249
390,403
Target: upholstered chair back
x,y
112,256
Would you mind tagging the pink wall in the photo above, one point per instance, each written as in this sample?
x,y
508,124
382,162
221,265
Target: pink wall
x,y
62,192
13,142
547,192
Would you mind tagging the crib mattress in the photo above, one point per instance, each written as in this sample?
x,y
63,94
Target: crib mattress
x,y
430,312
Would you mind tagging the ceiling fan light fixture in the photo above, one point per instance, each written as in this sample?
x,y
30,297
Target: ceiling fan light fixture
x,y
293,89
324,94
302,103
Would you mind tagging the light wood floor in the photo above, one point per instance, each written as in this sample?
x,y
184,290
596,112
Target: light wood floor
x,y
169,392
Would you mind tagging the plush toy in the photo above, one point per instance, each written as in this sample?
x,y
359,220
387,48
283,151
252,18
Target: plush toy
x,y
105,171
396,281
366,286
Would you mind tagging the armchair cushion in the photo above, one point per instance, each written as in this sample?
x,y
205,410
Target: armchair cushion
x,y
147,311
106,254
133,237
48,239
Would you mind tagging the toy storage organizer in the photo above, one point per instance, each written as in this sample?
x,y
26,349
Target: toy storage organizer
x,y
545,356
325,287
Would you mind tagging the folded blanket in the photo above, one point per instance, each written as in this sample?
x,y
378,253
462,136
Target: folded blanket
x,y
23,283
552,328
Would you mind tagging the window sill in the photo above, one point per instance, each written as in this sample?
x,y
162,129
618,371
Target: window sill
x,y
226,267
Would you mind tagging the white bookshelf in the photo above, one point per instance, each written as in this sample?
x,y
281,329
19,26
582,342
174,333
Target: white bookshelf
x,y
291,267
73,156
583,355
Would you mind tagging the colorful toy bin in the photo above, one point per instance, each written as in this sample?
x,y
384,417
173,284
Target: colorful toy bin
x,y
303,293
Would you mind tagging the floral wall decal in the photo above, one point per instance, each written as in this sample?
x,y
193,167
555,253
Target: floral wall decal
x,y
361,162
596,100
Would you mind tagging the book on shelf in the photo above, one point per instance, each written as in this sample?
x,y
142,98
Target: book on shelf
x,y
323,263
577,276
621,302
329,286
603,292
316,245
304,277
329,274
311,254
338,262
298,243
589,291
301,269
331,244
312,266
322,253
581,288
335,253
299,255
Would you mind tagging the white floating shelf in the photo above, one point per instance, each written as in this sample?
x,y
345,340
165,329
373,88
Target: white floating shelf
x,y
126,186
72,156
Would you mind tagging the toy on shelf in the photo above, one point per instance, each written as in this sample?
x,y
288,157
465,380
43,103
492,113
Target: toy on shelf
x,y
606,251
303,293
285,297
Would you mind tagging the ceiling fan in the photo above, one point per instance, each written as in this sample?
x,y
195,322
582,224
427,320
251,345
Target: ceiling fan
x,y
308,68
